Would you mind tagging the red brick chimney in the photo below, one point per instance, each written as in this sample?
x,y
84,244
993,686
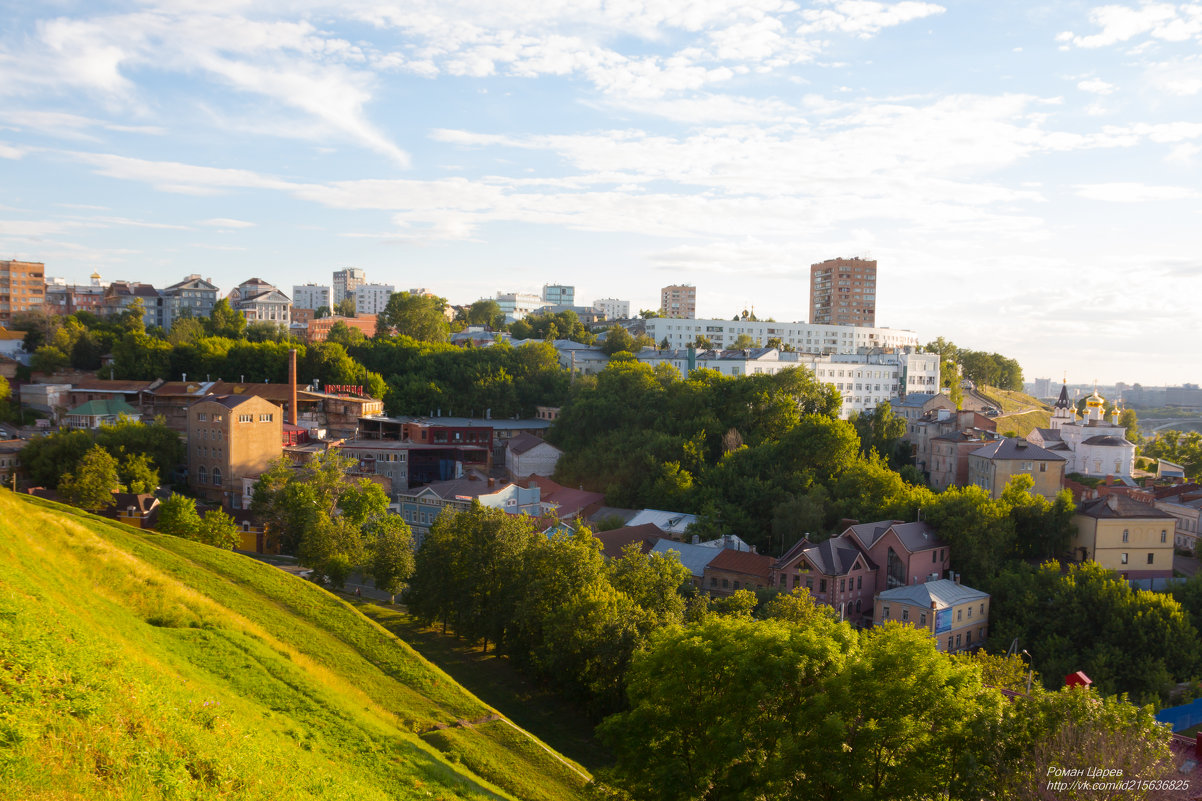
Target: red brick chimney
x,y
292,386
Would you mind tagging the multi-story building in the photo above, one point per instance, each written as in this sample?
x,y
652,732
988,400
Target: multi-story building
x,y
346,282
121,295
319,330
311,296
63,298
612,308
1132,538
421,507
372,298
517,305
1091,446
231,437
1184,503
993,465
947,462
559,295
22,287
678,301
802,337
843,292
847,571
192,297
259,301
957,616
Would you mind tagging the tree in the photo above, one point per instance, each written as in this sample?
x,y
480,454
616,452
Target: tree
x,y
392,562
320,312
744,341
49,359
417,316
617,338
346,307
1129,421
225,321
178,517
138,474
92,483
701,342
486,312
219,530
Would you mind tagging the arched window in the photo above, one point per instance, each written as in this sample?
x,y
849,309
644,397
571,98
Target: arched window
x,y
217,476
202,475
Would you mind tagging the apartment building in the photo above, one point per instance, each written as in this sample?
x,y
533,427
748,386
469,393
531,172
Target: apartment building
x,y
311,296
372,298
612,308
346,282
559,295
678,301
843,292
22,287
803,337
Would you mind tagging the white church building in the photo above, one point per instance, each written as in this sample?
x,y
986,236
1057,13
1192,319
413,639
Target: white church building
x,y
1091,446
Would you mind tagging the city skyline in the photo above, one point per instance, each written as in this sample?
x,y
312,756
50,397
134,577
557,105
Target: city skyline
x,y
1026,177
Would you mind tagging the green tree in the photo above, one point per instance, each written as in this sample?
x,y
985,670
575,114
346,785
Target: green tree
x,y
92,483
219,530
1129,421
701,342
417,316
346,307
39,327
138,474
486,312
744,341
617,339
225,321
392,562
320,312
49,359
178,517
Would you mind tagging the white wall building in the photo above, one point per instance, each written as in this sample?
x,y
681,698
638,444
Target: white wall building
x,y
311,296
804,337
1091,446
612,308
372,298
346,281
517,305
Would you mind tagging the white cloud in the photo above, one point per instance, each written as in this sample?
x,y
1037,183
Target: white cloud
x,y
10,152
1096,86
1170,22
1131,192
226,222
863,18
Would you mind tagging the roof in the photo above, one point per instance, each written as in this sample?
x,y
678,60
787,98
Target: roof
x,y
498,424
467,486
752,564
607,512
144,502
1049,434
613,541
869,533
228,401
6,334
914,400
941,592
668,522
89,384
526,442
104,408
1062,402
570,501
1015,449
694,557
1116,506
833,557
917,536
1106,439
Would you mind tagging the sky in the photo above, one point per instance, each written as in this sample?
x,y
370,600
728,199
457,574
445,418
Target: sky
x,y
1027,175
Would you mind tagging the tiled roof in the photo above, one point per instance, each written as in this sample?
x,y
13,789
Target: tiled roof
x,y
942,592
1049,434
868,533
914,399
917,536
752,564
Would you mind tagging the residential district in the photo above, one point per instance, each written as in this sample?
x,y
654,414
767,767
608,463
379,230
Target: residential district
x,y
1133,515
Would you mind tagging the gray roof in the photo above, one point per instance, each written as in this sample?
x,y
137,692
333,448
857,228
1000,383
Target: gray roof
x,y
916,536
942,592
1106,439
1120,506
670,522
1014,448
694,557
914,399
497,423
1049,434
526,442
833,557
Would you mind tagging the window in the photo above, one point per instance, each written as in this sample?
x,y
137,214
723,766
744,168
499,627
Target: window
x,y
202,475
959,615
970,613
1164,535
822,585
201,417
1123,558
949,643
1043,467
885,611
1126,535
982,607
842,585
957,640
714,581
968,638
933,557
246,418
216,476
725,583
1150,558
922,619
859,582
905,614
266,418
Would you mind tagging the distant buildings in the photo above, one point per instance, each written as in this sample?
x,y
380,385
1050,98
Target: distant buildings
x,y
192,297
22,288
804,337
318,330
678,301
346,282
311,296
259,301
843,292
121,295
516,305
372,298
612,308
559,295
229,437
64,299
1090,446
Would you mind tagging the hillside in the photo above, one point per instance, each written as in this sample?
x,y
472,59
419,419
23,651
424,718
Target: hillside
x,y
135,665
1021,412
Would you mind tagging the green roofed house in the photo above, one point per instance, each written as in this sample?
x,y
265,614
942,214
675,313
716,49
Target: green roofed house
x,y
96,413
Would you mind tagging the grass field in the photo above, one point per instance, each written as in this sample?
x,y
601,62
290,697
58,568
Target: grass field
x,y
492,678
140,666
1024,423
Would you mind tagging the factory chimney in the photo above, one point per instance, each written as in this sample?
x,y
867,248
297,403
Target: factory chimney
x,y
292,386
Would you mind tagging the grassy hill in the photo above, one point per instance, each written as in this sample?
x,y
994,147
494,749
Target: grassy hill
x,y
1020,412
138,666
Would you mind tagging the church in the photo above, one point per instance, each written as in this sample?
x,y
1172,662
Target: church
x,y
1092,446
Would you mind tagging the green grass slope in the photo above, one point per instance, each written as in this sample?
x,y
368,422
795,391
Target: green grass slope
x,y
1021,413
141,666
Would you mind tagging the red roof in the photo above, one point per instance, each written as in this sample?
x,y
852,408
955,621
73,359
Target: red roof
x,y
751,564
570,501
613,541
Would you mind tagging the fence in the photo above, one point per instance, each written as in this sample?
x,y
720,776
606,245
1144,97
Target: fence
x,y
1182,717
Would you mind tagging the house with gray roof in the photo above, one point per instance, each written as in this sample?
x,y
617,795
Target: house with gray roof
x,y
955,615
995,464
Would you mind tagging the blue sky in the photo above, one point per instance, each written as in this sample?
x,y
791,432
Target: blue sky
x,y
1027,177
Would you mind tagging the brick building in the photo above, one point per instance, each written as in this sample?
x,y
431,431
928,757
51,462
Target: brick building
x,y
231,437
843,292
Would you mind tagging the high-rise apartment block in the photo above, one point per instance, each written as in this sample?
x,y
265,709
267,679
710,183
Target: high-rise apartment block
x,y
559,295
372,298
22,288
311,296
843,292
678,301
346,282
612,308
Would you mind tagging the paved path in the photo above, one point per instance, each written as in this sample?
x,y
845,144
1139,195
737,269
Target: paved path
x,y
1185,565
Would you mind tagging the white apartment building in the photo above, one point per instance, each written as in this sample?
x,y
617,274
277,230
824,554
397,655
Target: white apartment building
x,y
372,298
804,337
612,308
311,296
863,380
517,305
